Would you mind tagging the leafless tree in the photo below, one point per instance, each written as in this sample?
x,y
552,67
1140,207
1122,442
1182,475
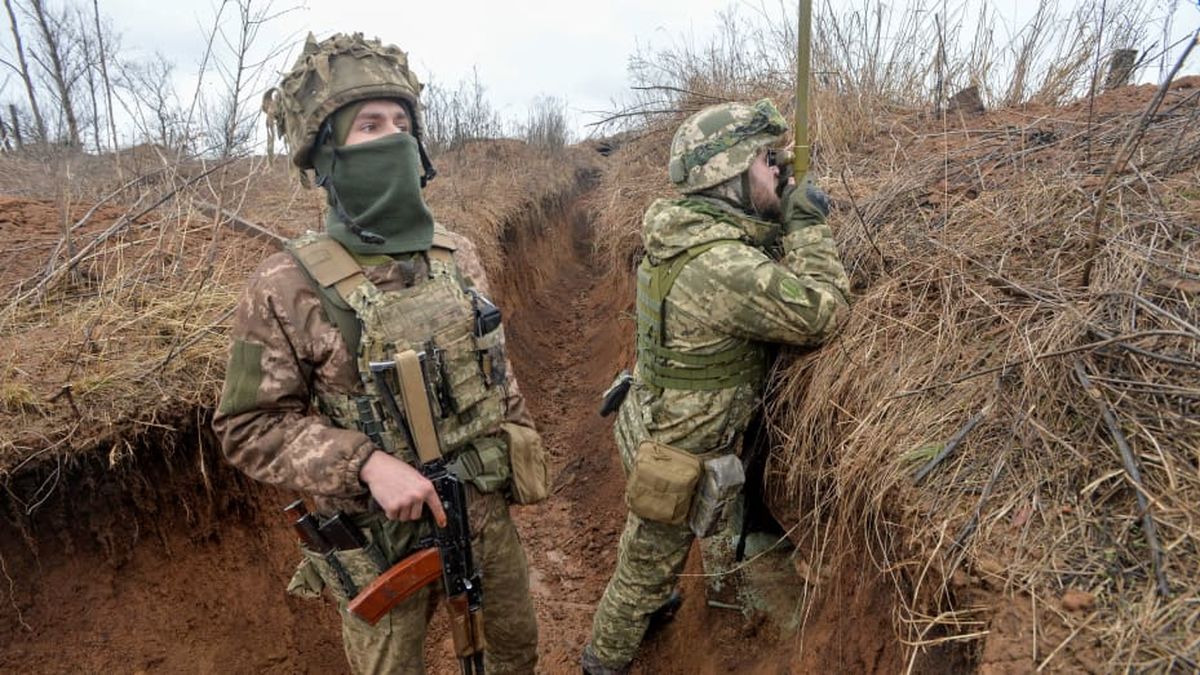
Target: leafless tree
x,y
57,60
454,116
546,125
15,125
239,61
145,92
22,69
90,72
103,53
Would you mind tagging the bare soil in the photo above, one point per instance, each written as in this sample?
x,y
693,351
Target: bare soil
x,y
177,563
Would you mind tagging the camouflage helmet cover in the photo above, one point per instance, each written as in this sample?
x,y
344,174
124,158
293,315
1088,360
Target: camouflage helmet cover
x,y
329,74
721,141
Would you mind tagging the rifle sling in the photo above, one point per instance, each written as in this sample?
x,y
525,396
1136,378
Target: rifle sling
x,y
415,399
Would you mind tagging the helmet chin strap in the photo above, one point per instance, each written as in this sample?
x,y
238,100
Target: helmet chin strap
x,y
748,203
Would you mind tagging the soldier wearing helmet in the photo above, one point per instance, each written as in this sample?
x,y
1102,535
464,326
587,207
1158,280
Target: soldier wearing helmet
x,y
730,269
300,408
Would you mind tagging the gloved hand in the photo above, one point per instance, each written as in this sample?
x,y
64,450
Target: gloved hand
x,y
803,205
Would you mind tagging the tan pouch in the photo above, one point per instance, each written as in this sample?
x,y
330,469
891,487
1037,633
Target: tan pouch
x,y
662,483
530,466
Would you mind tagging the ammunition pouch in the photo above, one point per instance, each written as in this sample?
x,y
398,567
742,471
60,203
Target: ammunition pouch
x,y
530,466
317,571
484,463
662,483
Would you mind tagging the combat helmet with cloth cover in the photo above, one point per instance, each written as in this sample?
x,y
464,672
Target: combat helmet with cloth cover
x,y
330,74
721,141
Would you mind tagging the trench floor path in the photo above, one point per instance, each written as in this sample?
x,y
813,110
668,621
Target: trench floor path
x,y
570,330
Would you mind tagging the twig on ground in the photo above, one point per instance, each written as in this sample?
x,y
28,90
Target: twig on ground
x,y
115,228
863,222
969,528
952,443
1038,357
239,224
1134,474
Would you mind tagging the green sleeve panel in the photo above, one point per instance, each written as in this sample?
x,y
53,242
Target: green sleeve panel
x,y
242,378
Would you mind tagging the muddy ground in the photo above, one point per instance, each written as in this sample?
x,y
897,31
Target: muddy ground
x,y
173,562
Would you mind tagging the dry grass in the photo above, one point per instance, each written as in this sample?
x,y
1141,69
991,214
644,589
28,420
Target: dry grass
x,y
966,239
133,336
972,318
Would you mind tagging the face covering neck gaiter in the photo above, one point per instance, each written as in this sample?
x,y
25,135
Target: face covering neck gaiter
x,y
374,195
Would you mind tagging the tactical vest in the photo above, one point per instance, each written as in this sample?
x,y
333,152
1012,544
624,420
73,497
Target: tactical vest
x,y
438,316
666,368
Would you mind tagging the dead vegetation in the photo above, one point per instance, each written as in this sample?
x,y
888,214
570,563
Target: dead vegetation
x,y
114,317
1008,421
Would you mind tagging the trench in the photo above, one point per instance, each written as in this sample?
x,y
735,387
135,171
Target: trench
x,y
174,562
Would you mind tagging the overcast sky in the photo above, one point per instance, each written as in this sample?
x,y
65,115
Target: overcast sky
x,y
521,49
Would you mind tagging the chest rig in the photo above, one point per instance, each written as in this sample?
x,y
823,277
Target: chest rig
x,y
451,324
666,368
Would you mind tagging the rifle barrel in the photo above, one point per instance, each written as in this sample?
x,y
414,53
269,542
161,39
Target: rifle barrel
x,y
800,158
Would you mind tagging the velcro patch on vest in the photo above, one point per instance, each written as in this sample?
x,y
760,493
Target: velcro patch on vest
x,y
328,262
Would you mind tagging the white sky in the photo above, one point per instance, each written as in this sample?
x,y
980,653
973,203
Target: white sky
x,y
521,49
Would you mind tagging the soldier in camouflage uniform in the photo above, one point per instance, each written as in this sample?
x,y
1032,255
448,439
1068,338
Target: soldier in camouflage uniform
x,y
729,268
299,409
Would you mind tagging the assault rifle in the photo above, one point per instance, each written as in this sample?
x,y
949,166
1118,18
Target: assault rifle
x,y
451,550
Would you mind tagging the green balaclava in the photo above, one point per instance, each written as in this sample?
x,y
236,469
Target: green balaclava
x,y
373,190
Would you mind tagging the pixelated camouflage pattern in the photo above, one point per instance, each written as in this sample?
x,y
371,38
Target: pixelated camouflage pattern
x,y
721,141
329,74
275,432
649,559
735,291
436,312
395,643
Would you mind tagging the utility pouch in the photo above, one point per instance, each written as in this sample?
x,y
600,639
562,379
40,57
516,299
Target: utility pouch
x,y
489,338
484,464
530,467
358,570
306,581
722,479
662,483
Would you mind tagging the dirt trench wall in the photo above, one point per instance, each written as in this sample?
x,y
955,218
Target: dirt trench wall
x,y
169,561
157,556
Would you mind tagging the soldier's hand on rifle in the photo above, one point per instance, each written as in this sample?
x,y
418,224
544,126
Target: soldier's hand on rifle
x,y
400,489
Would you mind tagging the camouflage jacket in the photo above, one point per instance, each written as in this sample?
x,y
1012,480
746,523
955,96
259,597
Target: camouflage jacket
x,y
734,292
279,437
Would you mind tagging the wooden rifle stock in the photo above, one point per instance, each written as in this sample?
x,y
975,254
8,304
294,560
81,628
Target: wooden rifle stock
x,y
396,585
466,628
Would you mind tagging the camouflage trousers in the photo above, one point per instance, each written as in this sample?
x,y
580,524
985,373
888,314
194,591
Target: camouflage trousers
x,y
649,560
396,643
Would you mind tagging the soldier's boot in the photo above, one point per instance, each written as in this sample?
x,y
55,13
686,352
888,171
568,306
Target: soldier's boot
x,y
665,613
592,666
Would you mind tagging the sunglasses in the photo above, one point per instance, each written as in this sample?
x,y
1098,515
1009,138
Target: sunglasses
x,y
772,157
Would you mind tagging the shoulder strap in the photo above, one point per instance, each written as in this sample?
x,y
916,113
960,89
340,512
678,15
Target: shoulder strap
x,y
663,275
334,273
443,247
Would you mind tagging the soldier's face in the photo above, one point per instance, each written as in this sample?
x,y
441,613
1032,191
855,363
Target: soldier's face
x,y
377,119
763,177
